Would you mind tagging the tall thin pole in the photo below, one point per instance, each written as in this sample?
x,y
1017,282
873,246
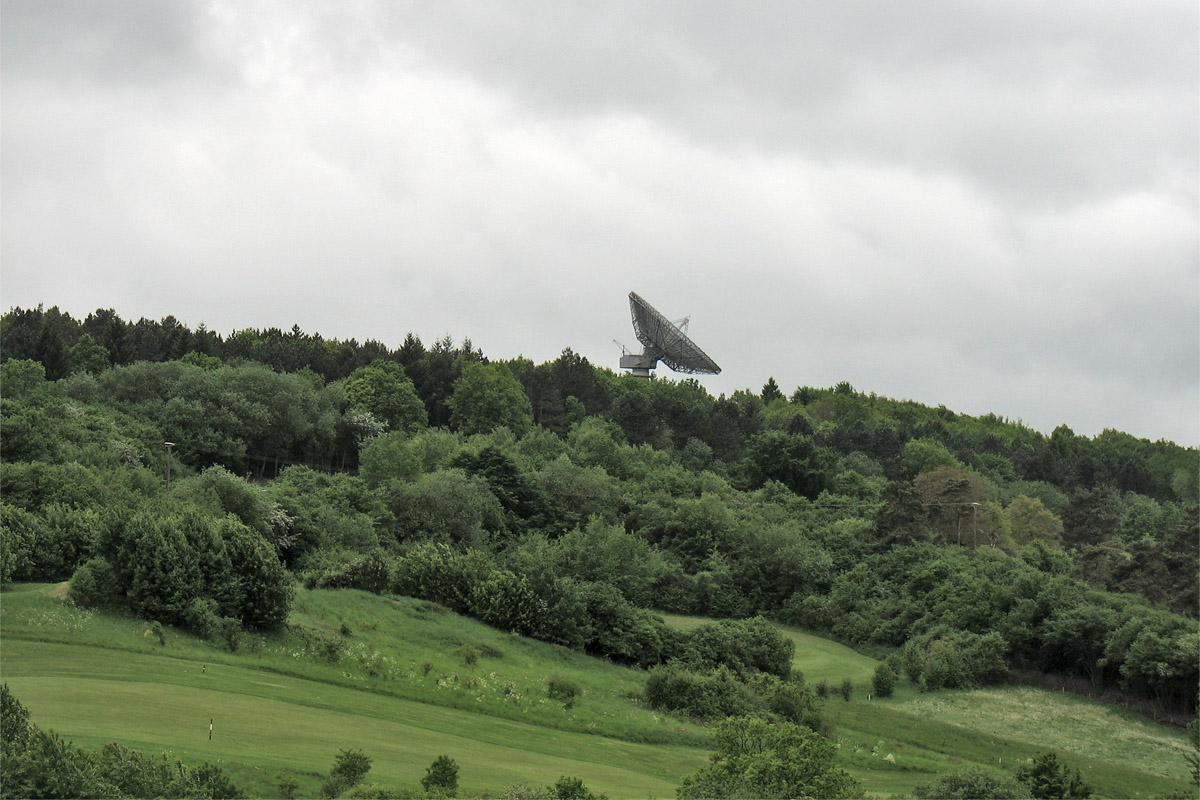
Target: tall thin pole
x,y
975,525
169,446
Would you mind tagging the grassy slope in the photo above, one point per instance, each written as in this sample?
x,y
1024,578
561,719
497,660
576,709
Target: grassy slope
x,y
96,677
1120,754
280,712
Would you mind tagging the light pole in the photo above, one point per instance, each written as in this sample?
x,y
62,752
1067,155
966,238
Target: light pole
x,y
169,446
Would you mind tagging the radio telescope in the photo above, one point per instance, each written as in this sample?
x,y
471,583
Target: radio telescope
x,y
664,341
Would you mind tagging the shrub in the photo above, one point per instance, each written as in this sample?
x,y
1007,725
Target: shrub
x,y
352,765
744,646
467,654
707,696
370,573
1047,778
572,788
95,585
846,689
756,758
201,617
228,633
798,703
563,690
883,682
943,658
972,782
441,777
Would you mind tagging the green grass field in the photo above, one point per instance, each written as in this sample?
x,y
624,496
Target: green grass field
x,y
402,687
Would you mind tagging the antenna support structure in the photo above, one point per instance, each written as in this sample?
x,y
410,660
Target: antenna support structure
x,y
663,340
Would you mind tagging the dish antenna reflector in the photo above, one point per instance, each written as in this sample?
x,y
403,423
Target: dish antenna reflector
x,y
664,341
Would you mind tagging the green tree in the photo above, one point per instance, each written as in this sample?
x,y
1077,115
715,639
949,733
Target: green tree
x,y
757,759
794,460
486,397
441,777
163,576
446,506
264,586
770,392
1047,778
883,682
85,356
351,765
1030,521
388,457
972,783
385,390
926,455
572,788
19,536
954,502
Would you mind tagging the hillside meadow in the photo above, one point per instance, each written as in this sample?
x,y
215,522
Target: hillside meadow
x,y
403,690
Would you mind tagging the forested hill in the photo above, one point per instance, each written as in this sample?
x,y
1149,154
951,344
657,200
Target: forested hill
x,y
880,521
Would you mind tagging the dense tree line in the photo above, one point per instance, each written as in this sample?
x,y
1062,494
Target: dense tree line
x,y
563,501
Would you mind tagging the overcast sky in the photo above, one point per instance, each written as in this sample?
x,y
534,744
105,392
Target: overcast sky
x,y
987,205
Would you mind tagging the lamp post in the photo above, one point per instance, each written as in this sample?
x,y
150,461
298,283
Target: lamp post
x,y
974,526
169,446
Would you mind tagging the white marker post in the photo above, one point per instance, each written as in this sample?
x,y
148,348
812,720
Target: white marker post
x,y
210,722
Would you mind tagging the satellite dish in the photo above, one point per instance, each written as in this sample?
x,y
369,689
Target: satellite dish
x,y
664,341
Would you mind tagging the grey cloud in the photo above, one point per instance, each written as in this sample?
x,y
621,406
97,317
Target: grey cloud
x,y
991,206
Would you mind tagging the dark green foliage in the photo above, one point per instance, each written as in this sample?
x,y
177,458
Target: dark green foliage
x,y
515,491
370,573
791,459
385,391
618,630
571,788
287,789
743,646
972,783
95,585
486,397
446,506
19,535
507,601
441,777
467,654
438,572
804,508
758,759
1047,778
883,682
563,690
351,765
190,569
846,689
950,659
327,511
700,695
714,694
263,587
794,701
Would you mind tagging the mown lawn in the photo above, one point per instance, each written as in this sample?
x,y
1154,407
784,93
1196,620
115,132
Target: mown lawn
x,y
267,726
